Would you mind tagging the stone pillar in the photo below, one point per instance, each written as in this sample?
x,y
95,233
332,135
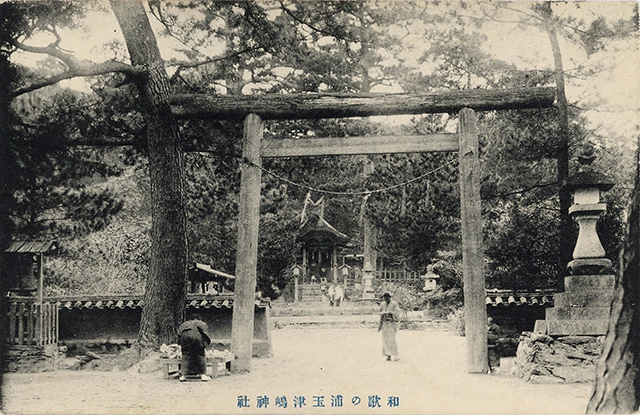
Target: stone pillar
x,y
296,271
367,282
334,264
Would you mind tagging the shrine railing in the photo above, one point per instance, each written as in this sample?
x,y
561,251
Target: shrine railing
x,y
31,323
397,276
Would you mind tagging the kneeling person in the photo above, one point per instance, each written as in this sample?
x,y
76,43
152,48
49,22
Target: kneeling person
x,y
193,342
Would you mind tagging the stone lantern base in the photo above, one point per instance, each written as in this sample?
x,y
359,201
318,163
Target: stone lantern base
x,y
583,309
590,266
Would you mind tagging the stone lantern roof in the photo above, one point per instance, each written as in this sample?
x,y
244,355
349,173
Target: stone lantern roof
x,y
587,176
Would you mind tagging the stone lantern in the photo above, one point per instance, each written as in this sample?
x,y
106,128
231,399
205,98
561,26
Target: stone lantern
x,y
367,282
586,186
344,271
583,308
430,279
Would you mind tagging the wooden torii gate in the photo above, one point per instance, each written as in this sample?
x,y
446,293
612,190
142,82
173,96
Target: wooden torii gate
x,y
256,108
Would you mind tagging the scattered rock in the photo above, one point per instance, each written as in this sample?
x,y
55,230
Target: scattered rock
x,y
541,359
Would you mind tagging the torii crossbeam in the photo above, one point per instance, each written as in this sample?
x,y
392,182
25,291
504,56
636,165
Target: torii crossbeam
x,y
256,108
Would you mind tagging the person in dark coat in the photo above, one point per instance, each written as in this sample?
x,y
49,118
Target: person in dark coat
x,y
193,342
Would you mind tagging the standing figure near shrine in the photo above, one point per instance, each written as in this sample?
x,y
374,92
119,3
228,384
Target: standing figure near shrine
x,y
331,293
338,295
389,317
193,342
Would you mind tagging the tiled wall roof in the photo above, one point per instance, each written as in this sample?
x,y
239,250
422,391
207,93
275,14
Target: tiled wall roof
x,y
507,298
136,301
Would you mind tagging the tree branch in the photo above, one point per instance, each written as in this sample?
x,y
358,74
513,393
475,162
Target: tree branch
x,y
308,24
519,191
76,68
186,65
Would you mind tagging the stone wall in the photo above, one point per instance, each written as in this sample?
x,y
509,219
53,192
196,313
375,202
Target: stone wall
x,y
96,328
32,359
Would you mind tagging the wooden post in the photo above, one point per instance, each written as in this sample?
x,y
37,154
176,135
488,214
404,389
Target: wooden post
x,y
21,313
247,248
475,312
334,264
56,321
305,263
13,312
40,297
31,326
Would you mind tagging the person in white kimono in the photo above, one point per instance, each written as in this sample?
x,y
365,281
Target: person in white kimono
x,y
331,294
338,295
389,317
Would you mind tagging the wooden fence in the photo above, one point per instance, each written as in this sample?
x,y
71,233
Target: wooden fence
x,y
397,276
31,323
394,276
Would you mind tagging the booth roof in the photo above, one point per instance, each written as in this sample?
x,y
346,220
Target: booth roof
x,y
32,247
213,272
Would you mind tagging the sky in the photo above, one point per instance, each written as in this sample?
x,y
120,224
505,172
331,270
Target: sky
x,y
610,98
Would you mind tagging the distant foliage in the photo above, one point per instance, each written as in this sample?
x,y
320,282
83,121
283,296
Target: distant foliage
x,y
114,260
58,190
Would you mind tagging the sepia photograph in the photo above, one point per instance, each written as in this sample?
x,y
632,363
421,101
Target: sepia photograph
x,y
319,207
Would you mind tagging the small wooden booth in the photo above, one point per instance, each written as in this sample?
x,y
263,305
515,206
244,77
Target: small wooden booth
x,y
32,321
203,279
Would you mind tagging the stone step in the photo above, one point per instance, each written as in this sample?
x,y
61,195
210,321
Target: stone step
x,y
577,327
589,298
312,299
357,321
310,287
576,283
311,292
577,313
323,308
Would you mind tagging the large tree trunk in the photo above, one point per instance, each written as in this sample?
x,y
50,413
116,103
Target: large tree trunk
x,y
165,291
5,197
565,242
617,387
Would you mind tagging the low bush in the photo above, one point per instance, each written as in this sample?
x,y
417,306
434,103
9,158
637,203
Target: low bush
x,y
441,303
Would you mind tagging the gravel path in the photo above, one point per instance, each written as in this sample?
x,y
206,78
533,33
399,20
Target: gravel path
x,y
317,363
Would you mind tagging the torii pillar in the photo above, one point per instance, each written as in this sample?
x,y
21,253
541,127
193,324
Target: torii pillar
x,y
247,246
475,309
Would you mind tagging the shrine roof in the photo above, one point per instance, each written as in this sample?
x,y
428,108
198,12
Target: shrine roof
x,y
315,225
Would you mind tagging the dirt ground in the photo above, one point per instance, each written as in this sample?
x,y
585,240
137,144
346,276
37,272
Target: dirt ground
x,y
316,363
